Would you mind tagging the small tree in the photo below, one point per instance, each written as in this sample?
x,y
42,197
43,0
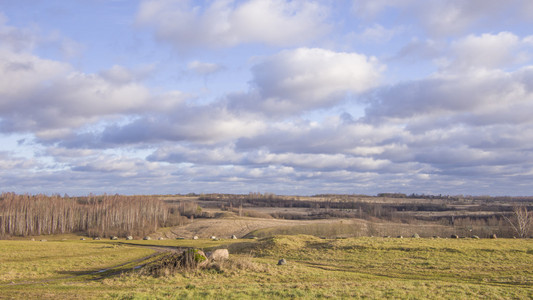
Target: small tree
x,y
520,220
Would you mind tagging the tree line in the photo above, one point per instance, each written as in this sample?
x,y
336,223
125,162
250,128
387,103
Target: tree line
x,y
26,215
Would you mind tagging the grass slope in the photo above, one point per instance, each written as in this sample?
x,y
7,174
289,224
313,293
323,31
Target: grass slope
x,y
317,268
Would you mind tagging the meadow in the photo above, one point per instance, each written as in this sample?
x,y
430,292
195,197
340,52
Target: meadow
x,y
64,267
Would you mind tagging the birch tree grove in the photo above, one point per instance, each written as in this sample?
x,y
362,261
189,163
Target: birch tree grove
x,y
23,215
520,220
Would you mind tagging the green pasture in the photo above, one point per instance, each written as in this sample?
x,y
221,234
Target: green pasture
x,y
406,268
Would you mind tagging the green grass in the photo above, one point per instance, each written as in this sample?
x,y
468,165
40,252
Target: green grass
x,y
26,261
317,268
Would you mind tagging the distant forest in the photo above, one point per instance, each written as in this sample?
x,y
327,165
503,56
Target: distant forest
x,y
118,215
25,215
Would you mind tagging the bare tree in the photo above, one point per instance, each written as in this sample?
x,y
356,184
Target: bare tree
x,y
22,215
520,220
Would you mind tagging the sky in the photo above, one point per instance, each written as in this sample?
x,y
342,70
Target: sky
x,y
290,97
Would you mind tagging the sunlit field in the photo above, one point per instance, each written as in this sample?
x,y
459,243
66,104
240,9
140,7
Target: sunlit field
x,y
316,268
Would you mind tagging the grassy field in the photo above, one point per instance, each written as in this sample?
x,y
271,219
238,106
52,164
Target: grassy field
x,y
316,268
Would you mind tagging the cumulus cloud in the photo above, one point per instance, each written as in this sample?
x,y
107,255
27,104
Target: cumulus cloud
x,y
489,51
225,23
208,124
50,98
446,17
42,96
497,96
297,80
331,137
442,18
290,82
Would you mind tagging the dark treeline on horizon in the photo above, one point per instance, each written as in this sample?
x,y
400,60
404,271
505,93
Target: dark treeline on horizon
x,y
272,196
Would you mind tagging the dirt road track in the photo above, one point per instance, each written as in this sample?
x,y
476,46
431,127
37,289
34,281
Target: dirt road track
x,y
106,272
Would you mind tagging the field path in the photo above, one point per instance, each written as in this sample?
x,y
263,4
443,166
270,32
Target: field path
x,y
110,271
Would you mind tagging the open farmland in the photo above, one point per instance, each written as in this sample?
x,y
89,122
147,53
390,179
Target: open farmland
x,y
316,268
349,215
336,246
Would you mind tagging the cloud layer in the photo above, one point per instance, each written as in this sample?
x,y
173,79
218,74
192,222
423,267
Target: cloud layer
x,y
269,95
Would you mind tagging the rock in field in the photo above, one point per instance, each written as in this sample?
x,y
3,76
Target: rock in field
x,y
416,236
114,237
195,237
493,236
234,237
475,237
219,254
282,262
129,238
454,236
147,238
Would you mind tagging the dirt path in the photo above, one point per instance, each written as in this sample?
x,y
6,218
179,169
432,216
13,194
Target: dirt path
x,y
114,270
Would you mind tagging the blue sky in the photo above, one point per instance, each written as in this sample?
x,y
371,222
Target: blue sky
x,y
288,97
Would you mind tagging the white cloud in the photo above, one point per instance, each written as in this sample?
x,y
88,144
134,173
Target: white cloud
x,y
10,162
51,99
442,18
228,23
468,97
124,166
39,94
226,155
321,161
486,51
220,155
303,79
199,124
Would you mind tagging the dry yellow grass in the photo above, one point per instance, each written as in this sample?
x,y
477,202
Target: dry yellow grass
x,y
225,227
